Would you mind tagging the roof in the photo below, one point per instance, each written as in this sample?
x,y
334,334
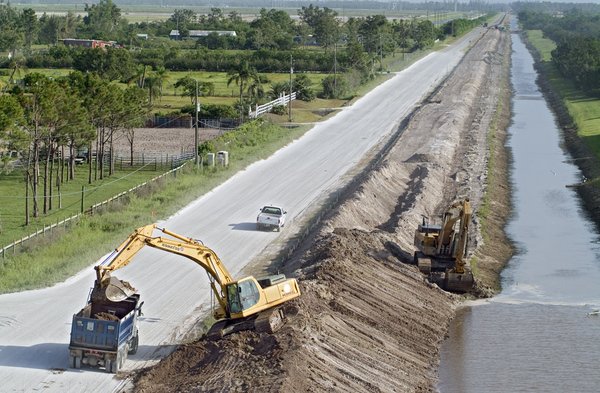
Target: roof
x,y
204,33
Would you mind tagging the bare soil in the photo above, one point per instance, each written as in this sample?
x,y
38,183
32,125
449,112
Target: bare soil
x,y
171,141
366,322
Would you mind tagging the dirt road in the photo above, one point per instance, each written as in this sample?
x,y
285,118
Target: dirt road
x,y
367,322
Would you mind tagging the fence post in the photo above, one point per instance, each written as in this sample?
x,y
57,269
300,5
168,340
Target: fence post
x,y
82,196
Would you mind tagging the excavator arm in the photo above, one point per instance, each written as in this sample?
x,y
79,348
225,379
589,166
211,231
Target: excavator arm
x,y
463,231
237,299
184,246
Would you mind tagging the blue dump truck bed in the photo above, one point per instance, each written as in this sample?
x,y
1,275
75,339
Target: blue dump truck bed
x,y
104,332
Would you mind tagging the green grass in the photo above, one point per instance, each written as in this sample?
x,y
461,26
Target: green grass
x,y
49,260
12,206
583,108
544,45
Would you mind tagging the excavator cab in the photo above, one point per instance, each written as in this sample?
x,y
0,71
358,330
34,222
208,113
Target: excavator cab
x,y
242,295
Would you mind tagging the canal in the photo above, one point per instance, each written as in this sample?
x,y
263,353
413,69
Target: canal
x,y
537,335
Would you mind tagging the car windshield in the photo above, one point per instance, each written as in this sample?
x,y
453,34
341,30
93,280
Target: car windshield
x,y
272,210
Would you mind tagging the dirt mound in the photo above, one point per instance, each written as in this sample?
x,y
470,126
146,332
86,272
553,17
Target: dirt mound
x,y
361,324
365,321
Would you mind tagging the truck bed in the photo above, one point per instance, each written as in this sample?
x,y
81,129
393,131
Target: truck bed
x,y
104,326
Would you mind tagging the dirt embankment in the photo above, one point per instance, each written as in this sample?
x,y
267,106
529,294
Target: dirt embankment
x,y
365,321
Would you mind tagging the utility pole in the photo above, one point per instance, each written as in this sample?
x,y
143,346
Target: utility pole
x,y
196,158
291,89
334,69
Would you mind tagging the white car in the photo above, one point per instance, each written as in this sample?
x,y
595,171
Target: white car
x,y
271,217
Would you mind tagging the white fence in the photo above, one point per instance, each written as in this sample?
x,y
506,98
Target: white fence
x,y
281,101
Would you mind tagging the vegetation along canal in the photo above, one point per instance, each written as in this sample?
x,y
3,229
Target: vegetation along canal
x,y
539,334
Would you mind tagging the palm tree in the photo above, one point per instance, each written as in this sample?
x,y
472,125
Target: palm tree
x,y
243,76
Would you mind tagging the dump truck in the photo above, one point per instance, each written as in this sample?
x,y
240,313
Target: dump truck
x,y
103,333
441,249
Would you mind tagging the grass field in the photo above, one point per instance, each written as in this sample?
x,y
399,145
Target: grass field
x,y
584,109
12,198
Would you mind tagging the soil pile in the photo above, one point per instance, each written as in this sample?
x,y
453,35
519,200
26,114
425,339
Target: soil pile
x,y
367,322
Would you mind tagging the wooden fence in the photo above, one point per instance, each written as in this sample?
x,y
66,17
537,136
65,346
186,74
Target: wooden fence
x,y
12,248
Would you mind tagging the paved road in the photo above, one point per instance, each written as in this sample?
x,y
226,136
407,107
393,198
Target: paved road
x,y
35,325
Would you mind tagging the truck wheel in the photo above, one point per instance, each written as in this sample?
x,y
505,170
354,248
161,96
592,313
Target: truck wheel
x,y
112,366
133,345
278,229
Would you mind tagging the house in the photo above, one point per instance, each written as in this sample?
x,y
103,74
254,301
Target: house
x,y
89,43
174,34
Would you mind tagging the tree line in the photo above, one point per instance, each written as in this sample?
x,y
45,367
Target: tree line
x,y
577,36
273,33
47,121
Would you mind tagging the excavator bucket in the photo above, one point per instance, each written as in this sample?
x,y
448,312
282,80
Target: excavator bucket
x,y
118,290
458,282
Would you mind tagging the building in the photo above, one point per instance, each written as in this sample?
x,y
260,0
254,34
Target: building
x,y
174,34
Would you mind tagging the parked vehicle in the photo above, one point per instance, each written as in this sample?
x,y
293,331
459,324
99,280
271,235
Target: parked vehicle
x,y
271,217
103,333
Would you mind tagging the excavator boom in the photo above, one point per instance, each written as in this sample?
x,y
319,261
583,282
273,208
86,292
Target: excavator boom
x,y
237,299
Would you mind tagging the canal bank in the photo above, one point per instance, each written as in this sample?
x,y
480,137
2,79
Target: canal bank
x,y
585,159
537,334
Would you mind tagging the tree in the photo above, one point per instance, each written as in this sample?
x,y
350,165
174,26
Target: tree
x,y
323,22
243,75
29,24
104,21
38,100
11,33
136,111
188,85
302,86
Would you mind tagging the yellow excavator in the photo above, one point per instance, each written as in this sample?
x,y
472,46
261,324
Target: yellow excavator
x,y
243,304
441,249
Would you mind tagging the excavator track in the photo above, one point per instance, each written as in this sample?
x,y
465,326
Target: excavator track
x,y
266,322
269,321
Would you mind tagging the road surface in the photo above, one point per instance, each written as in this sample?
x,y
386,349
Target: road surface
x,y
35,325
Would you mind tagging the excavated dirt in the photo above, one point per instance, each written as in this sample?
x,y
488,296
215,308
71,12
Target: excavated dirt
x,y
367,322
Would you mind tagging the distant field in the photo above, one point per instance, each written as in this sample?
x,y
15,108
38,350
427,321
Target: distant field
x,y
149,13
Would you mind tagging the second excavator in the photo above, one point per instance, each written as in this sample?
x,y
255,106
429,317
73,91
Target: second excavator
x,y
243,304
441,249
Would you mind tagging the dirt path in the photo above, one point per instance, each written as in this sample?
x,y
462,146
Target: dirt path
x,y
365,321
